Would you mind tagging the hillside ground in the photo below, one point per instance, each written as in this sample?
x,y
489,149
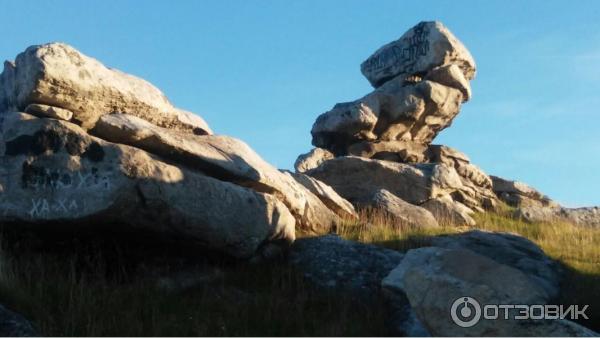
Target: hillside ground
x,y
103,287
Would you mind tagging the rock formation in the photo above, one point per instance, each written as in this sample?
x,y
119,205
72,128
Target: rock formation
x,y
421,81
85,146
434,278
533,206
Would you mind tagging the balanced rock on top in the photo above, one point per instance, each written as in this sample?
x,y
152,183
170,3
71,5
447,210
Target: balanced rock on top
x,y
426,46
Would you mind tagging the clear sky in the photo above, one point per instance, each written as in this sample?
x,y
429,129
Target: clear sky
x,y
263,71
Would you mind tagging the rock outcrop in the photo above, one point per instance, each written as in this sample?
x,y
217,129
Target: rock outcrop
x,y
433,279
429,185
518,194
401,213
334,263
421,81
354,269
58,75
107,150
511,250
533,206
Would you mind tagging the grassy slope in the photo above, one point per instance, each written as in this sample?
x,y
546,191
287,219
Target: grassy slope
x,y
96,289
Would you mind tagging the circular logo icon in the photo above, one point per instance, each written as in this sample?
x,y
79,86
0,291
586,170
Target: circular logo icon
x,y
465,312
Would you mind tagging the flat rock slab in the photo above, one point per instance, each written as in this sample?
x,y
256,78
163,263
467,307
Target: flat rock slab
x,y
332,262
434,278
57,74
509,249
225,158
52,172
401,212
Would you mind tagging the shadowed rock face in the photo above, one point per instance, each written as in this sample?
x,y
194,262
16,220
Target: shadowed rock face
x,y
14,325
108,148
53,171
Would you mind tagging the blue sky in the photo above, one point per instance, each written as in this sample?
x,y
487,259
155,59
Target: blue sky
x,y
262,71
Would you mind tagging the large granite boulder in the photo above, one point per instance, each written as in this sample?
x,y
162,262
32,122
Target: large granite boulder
x,y
519,194
357,179
435,186
326,194
396,111
401,213
334,263
312,159
449,212
353,269
512,250
425,46
53,172
587,216
58,75
435,279
225,158
421,81
106,150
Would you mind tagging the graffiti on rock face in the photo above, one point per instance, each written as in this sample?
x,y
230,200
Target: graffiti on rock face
x,y
403,55
40,178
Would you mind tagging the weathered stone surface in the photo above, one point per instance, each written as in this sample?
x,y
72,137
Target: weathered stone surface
x,y
332,262
434,278
447,211
538,213
426,46
53,172
326,194
355,270
401,212
460,162
14,325
312,159
451,76
396,151
589,216
532,212
357,179
42,110
223,157
519,194
344,124
512,250
395,111
58,75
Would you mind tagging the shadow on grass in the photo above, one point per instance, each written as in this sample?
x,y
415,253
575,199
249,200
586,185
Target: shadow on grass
x,y
95,286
